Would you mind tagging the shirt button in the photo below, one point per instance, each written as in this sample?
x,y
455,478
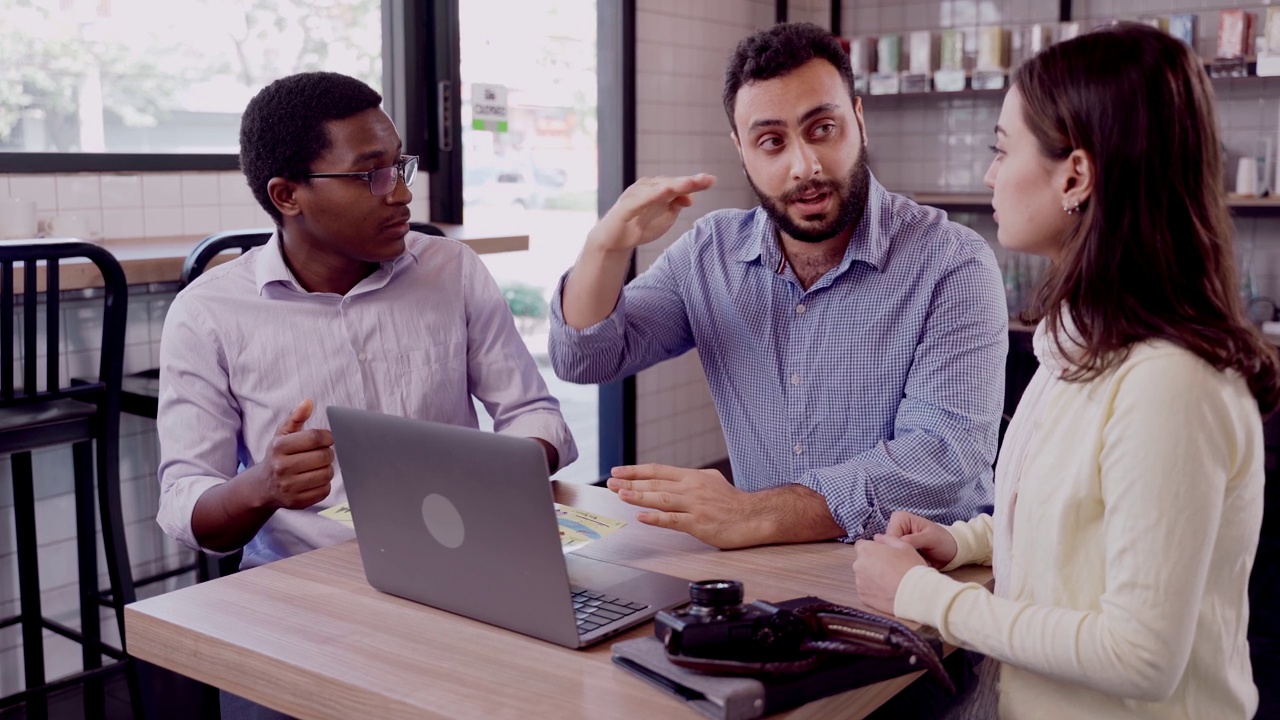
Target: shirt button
x,y
362,357
795,379
798,449
800,309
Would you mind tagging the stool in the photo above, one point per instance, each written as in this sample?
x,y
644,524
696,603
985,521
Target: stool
x,y
87,416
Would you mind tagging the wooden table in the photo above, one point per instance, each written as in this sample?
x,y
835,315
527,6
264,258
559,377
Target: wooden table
x,y
308,636
159,260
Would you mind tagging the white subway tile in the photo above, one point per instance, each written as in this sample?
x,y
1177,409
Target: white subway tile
x,y
41,188
230,217
162,221
121,191
199,189
161,190
137,358
79,191
123,223
200,220
83,333
233,189
56,519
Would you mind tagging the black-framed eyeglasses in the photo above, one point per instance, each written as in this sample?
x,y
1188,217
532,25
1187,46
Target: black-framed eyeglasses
x,y
383,180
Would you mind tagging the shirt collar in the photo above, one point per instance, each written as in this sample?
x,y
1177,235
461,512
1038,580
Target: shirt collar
x,y
870,242
270,266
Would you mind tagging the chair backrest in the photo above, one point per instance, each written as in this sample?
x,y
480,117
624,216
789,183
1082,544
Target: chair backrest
x,y
426,229
115,309
218,243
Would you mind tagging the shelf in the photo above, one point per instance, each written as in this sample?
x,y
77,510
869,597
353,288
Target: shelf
x,y
978,201
969,92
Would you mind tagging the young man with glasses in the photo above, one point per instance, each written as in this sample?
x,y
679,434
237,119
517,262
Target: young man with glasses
x,y
343,306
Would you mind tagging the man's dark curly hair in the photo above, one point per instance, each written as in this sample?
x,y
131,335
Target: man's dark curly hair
x,y
780,50
283,128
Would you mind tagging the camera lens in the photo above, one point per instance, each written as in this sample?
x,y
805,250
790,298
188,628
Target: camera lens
x,y
716,595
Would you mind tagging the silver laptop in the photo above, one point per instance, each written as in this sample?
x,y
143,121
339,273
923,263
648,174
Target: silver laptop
x,y
464,521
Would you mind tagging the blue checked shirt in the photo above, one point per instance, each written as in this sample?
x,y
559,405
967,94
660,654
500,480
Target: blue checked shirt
x,y
880,387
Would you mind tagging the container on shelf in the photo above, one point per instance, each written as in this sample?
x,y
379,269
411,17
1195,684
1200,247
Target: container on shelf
x,y
1183,27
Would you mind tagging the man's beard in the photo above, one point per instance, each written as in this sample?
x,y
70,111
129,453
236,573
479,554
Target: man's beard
x,y
851,193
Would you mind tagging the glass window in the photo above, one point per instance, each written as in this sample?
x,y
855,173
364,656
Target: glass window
x,y
538,173
141,76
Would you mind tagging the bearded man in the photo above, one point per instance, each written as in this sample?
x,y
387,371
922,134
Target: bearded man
x,y
854,341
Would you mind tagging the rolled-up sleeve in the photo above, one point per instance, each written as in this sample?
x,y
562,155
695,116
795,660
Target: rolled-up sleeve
x,y
648,325
501,372
197,420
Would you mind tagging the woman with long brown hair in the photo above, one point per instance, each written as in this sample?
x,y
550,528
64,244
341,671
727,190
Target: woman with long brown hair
x,y
1129,486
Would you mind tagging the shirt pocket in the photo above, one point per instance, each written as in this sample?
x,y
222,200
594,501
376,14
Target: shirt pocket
x,y
433,382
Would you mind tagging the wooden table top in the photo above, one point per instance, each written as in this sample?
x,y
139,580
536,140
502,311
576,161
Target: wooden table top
x,y
308,636
159,260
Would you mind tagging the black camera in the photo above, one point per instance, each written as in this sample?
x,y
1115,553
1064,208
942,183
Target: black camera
x,y
717,625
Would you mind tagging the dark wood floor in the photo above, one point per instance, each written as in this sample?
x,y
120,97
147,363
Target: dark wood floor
x,y
174,697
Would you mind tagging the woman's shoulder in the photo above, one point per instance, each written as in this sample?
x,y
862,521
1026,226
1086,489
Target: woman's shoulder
x,y
1164,366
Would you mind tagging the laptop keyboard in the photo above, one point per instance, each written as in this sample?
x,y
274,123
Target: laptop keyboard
x,y
595,610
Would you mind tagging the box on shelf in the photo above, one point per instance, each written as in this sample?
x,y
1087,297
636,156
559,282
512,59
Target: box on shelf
x,y
889,54
889,83
1041,37
1183,27
951,50
1158,22
922,61
922,57
1269,53
991,70
1271,33
862,56
1027,41
1235,34
887,79
993,49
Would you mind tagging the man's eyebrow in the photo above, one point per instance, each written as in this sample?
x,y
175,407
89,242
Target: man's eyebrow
x,y
773,122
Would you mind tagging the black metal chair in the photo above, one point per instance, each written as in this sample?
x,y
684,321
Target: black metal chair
x,y
1020,367
140,391
85,414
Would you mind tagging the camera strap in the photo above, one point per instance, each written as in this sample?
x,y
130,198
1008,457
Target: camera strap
x,y
833,631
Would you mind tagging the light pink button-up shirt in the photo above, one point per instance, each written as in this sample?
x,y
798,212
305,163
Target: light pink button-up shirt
x,y
244,344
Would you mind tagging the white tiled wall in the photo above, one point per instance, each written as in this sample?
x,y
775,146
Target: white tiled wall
x,y
817,12
681,50
120,206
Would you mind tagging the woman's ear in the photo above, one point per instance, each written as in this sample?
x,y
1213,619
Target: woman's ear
x,y
1077,179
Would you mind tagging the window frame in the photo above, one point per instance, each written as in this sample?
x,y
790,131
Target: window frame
x,y
393,36
422,50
